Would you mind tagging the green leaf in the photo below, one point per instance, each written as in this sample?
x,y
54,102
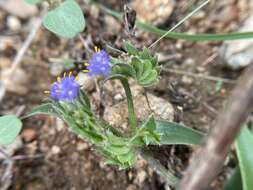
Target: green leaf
x,y
244,144
234,182
131,50
174,35
10,126
33,2
47,109
67,20
68,63
174,133
124,69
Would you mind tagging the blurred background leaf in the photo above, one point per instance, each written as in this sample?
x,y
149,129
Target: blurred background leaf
x,y
244,144
67,20
10,126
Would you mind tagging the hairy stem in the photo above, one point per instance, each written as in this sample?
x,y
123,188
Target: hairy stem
x,y
131,113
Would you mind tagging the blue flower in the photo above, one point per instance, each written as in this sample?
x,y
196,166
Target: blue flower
x,y
99,64
65,89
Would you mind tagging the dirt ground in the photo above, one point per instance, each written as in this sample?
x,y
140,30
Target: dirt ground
x,y
55,159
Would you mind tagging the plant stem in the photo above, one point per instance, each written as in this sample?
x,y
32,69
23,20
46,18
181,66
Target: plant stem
x,y
130,104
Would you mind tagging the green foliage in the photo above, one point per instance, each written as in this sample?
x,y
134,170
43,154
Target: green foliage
x,y
244,144
141,66
33,2
67,20
174,133
10,126
68,63
174,35
131,50
234,182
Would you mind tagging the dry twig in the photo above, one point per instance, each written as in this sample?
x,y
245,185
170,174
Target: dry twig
x,y
207,162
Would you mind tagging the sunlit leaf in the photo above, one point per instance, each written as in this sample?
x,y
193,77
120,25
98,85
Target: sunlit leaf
x,y
67,20
10,127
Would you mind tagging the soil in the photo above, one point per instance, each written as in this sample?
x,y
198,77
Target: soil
x,y
65,162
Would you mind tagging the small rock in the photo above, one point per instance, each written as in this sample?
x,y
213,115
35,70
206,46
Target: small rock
x,y
141,176
55,149
131,187
187,80
13,23
110,176
4,62
16,82
118,97
2,91
117,115
82,146
28,135
87,82
238,54
155,12
113,27
19,8
56,69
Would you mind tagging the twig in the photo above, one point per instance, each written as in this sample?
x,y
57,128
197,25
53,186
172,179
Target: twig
x,y
196,75
205,104
24,157
18,58
207,162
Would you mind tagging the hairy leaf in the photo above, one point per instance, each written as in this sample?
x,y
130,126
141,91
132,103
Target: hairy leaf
x,y
10,127
67,20
174,133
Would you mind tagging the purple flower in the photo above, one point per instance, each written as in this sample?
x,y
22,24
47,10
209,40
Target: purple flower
x,y
99,64
65,89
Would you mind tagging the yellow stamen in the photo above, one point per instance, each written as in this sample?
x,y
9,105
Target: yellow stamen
x,y
59,79
47,92
86,64
76,78
70,73
97,49
64,75
85,71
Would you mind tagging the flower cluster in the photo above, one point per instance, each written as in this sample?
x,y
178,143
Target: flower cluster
x,y
65,89
99,64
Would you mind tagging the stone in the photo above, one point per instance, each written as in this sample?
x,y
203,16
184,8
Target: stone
x,y
155,12
56,68
28,135
16,81
141,176
117,115
13,23
19,8
2,91
238,54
